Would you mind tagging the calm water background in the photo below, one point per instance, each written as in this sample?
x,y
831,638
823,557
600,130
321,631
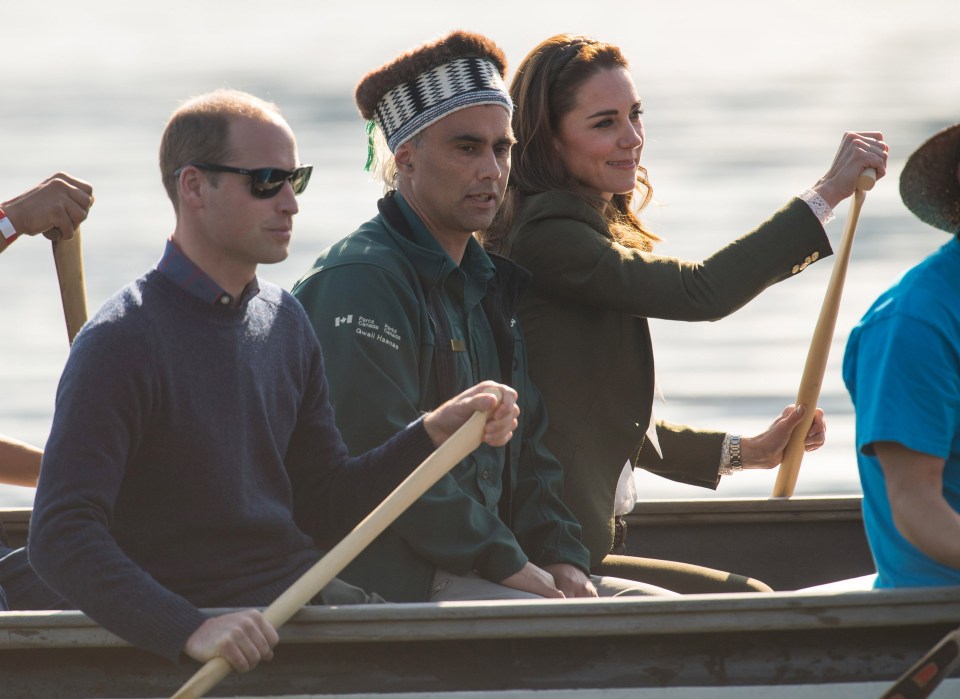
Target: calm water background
x,y
745,105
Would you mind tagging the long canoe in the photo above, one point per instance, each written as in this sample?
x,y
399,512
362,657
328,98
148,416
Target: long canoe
x,y
788,543
784,644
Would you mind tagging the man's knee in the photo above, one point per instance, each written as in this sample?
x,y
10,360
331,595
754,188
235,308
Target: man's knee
x,y
450,587
621,587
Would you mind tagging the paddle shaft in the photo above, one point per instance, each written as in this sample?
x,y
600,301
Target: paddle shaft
x,y
446,456
68,259
920,680
816,364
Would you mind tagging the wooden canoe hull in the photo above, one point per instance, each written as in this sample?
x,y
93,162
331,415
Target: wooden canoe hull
x,y
788,543
779,639
831,644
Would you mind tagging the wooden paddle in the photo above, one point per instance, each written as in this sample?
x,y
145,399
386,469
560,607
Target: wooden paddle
x,y
928,672
446,456
68,258
816,365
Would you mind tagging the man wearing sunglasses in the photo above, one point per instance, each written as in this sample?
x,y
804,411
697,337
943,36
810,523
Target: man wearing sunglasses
x,y
192,417
410,309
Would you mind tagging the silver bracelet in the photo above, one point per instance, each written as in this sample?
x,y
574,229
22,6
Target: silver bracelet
x,y
730,461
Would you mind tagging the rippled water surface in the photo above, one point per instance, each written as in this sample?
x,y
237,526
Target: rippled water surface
x,y
745,105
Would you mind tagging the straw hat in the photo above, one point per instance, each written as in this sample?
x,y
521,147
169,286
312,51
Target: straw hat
x,y
929,183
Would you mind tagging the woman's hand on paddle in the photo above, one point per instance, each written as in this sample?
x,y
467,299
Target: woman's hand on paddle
x,y
766,449
243,639
858,151
484,397
59,203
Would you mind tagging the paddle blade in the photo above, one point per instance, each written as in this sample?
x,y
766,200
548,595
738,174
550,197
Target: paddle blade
x,y
920,680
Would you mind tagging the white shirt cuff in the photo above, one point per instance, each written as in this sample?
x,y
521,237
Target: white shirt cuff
x,y
818,205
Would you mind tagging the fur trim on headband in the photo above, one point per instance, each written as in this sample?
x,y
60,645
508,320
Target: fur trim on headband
x,y
406,67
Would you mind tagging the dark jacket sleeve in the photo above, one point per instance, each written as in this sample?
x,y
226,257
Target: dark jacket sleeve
x,y
332,490
690,455
563,246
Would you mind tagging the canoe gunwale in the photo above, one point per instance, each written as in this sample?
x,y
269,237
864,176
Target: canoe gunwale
x,y
703,614
830,508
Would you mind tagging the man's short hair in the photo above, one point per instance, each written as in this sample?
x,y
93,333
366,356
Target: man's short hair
x,y
199,131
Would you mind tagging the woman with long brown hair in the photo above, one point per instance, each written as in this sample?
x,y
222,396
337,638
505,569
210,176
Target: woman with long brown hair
x,y
571,216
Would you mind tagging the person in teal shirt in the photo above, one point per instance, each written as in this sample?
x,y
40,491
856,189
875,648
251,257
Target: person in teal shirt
x,y
902,368
409,308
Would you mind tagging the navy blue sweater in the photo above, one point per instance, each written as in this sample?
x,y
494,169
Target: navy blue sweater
x,y
185,437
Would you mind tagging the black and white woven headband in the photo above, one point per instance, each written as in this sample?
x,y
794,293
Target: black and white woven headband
x,y
411,107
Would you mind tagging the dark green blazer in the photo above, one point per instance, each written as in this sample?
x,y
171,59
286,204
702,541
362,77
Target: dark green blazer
x,y
585,321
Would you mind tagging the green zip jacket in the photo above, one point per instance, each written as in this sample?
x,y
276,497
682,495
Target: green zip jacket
x,y
402,329
585,321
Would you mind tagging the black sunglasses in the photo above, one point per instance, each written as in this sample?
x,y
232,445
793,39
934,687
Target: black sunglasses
x,y
265,182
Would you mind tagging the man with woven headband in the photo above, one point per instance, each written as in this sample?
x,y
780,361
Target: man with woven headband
x,y
902,368
409,308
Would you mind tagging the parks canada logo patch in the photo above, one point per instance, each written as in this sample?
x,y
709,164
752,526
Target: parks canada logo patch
x,y
384,333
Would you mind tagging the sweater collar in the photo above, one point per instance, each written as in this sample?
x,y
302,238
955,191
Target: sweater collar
x,y
179,269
